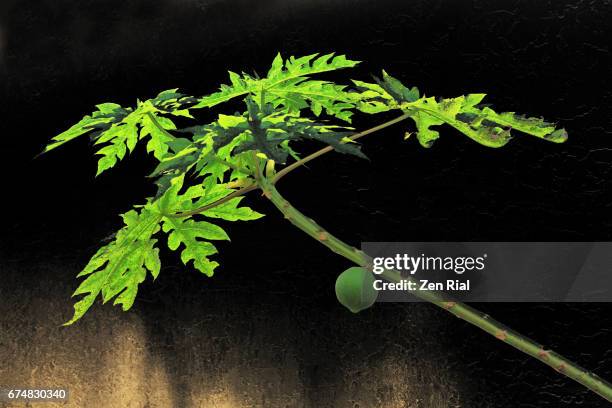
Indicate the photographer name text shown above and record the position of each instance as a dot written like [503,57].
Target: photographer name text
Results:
[423,285]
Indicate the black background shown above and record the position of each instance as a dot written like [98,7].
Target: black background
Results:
[548,58]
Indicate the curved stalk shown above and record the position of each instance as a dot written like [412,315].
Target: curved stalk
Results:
[328,149]
[225,199]
[461,310]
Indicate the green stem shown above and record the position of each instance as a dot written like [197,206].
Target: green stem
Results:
[158,125]
[461,310]
[328,149]
[199,210]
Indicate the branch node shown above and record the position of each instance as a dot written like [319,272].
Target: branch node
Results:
[448,305]
[544,354]
[502,335]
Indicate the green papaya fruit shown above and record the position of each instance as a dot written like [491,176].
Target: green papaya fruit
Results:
[355,290]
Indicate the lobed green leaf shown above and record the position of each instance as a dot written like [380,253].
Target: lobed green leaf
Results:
[288,85]
[118,268]
[482,125]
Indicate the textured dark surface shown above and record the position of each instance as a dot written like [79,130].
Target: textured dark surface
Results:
[59,58]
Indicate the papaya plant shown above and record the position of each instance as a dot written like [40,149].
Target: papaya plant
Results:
[203,172]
